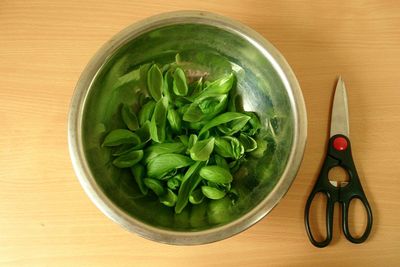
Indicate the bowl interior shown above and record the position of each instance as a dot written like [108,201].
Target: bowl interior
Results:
[259,86]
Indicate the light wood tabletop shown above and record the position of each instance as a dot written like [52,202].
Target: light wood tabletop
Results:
[47,220]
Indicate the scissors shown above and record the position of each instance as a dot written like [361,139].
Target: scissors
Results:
[339,154]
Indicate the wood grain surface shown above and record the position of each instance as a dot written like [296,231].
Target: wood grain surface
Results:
[47,220]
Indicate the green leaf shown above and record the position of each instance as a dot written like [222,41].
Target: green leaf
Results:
[146,112]
[196,197]
[174,120]
[169,199]
[223,147]
[189,183]
[144,133]
[119,137]
[155,186]
[163,164]
[129,159]
[248,142]
[205,109]
[216,174]
[212,192]
[202,150]
[235,118]
[254,123]
[175,182]
[184,139]
[129,118]
[237,147]
[221,162]
[156,150]
[217,87]
[155,82]
[180,86]
[192,141]
[138,172]
[167,86]
[158,121]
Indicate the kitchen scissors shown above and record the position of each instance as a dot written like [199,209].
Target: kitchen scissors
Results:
[339,154]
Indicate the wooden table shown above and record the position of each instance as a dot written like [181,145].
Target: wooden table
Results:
[47,220]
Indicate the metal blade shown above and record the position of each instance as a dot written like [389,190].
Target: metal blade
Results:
[340,111]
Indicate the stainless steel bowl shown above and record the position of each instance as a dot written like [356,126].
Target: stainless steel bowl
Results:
[266,74]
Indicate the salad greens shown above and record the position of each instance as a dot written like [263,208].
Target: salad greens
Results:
[187,137]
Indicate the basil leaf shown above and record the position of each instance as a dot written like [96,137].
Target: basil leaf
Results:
[221,162]
[184,139]
[144,133]
[223,148]
[156,150]
[192,141]
[158,121]
[180,86]
[174,120]
[119,137]
[234,117]
[216,174]
[233,126]
[202,150]
[175,182]
[169,199]
[220,86]
[248,143]
[212,192]
[196,197]
[193,113]
[155,82]
[168,83]
[129,159]
[237,147]
[255,124]
[146,112]
[155,186]
[138,172]
[189,183]
[205,109]
[144,69]
[163,164]
[129,118]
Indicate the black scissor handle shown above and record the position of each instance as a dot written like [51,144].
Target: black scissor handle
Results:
[345,220]
[328,222]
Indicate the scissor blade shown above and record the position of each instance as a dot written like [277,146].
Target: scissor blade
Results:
[340,111]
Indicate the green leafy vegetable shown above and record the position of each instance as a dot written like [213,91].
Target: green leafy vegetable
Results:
[155,186]
[146,112]
[212,192]
[119,137]
[169,199]
[158,121]
[216,174]
[163,164]
[187,134]
[202,150]
[138,173]
[189,183]
[129,118]
[155,82]
[180,86]
[129,159]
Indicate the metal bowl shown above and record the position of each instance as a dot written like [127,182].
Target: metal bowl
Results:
[267,86]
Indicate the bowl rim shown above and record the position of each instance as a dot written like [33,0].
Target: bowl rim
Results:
[240,224]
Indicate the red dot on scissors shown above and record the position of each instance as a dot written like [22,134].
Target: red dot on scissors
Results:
[340,143]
